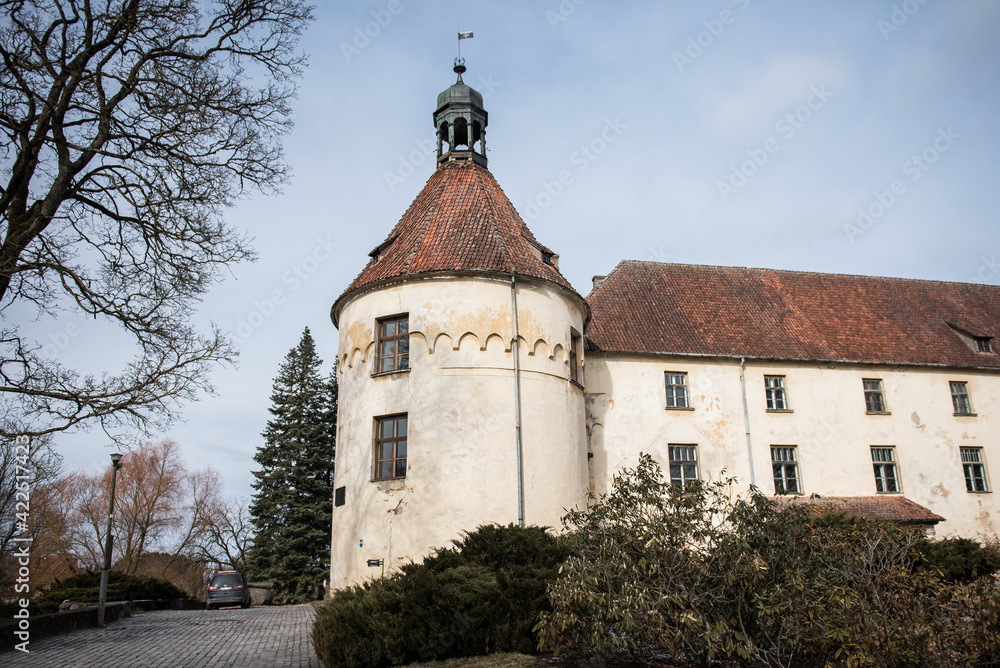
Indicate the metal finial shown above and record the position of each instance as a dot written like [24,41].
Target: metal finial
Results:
[459,67]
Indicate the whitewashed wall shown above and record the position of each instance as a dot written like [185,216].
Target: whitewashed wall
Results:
[459,398]
[627,414]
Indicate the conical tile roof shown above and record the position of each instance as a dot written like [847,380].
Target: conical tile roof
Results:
[460,221]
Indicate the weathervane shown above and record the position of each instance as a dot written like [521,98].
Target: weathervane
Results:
[460,61]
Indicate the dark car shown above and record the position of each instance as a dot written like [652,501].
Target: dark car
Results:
[227,588]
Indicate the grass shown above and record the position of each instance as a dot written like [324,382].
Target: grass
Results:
[491,661]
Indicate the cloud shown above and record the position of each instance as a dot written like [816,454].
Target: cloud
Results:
[782,84]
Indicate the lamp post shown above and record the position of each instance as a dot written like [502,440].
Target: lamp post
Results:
[116,463]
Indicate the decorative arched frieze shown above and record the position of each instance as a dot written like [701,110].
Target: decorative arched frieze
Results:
[541,346]
[468,336]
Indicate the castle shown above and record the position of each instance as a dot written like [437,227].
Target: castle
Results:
[477,386]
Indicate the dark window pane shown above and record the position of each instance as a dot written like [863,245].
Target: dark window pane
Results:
[400,448]
[385,364]
[404,346]
[404,361]
[389,328]
[388,348]
[400,468]
[386,429]
[404,326]
[401,426]
[385,469]
[385,450]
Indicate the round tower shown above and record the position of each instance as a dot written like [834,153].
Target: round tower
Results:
[460,370]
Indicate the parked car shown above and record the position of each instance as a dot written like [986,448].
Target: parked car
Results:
[227,588]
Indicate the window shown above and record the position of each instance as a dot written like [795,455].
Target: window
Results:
[393,344]
[786,470]
[874,398]
[677,395]
[574,351]
[338,496]
[390,447]
[983,344]
[774,391]
[683,464]
[960,397]
[884,462]
[975,469]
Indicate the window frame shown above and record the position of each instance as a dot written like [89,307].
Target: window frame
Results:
[872,392]
[784,465]
[683,387]
[574,352]
[879,467]
[969,465]
[691,448]
[773,392]
[395,338]
[957,396]
[984,344]
[394,439]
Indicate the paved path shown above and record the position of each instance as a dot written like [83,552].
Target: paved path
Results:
[266,636]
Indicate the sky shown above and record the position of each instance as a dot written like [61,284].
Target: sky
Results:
[858,137]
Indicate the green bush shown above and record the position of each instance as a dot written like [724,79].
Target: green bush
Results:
[85,587]
[481,596]
[958,559]
[699,574]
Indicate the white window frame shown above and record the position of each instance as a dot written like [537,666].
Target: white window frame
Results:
[684,456]
[974,469]
[677,393]
[784,458]
[775,393]
[886,469]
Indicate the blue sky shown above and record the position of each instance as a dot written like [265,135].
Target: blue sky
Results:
[852,137]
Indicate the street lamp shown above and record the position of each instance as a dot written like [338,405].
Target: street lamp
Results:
[116,463]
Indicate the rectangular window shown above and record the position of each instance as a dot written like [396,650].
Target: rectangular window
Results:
[338,496]
[983,344]
[683,464]
[874,398]
[574,351]
[960,397]
[393,344]
[975,469]
[884,462]
[786,470]
[677,395]
[774,391]
[390,447]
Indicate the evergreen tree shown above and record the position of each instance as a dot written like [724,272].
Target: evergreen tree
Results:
[293,498]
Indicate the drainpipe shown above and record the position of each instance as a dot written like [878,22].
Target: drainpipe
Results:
[517,403]
[746,420]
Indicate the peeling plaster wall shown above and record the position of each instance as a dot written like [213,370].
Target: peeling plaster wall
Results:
[459,398]
[627,414]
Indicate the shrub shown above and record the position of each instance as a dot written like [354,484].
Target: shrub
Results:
[482,595]
[85,587]
[699,574]
[958,559]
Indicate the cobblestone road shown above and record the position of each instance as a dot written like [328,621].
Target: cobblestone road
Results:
[265,636]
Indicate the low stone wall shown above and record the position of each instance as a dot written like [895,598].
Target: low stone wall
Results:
[54,623]
[261,593]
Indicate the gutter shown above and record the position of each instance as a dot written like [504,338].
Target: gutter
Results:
[517,402]
[746,420]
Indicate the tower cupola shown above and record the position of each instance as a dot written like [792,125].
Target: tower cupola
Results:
[460,122]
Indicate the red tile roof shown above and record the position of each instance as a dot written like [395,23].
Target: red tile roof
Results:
[792,315]
[883,508]
[460,221]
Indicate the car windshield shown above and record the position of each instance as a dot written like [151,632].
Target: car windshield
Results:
[227,579]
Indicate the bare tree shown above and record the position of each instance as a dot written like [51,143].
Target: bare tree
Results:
[128,127]
[225,534]
[25,464]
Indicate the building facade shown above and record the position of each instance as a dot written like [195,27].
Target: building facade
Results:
[477,386]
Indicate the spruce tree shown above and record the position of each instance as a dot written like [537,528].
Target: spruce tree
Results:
[293,498]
